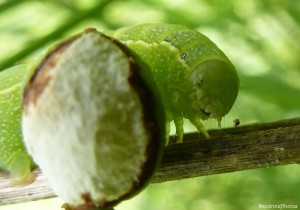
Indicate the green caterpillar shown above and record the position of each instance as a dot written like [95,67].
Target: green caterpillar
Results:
[13,155]
[196,81]
[195,78]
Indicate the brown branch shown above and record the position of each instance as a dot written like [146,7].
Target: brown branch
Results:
[228,150]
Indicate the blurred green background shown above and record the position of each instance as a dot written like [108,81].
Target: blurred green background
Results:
[262,39]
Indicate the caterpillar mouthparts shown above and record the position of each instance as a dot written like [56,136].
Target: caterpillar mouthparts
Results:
[195,78]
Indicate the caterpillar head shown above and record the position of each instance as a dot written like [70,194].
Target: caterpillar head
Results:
[214,86]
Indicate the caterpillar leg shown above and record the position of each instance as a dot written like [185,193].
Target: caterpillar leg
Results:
[179,129]
[167,133]
[21,170]
[197,123]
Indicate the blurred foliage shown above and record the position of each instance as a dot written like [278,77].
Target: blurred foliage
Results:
[260,37]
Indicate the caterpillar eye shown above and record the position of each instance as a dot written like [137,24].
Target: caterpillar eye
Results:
[199,83]
[196,79]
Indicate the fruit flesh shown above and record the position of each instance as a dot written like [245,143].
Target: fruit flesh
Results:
[86,123]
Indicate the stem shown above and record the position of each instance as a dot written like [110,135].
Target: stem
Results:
[228,150]
[234,149]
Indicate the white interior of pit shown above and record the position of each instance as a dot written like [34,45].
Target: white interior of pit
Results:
[86,130]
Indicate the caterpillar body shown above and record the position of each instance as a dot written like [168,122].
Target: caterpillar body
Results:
[195,78]
[13,155]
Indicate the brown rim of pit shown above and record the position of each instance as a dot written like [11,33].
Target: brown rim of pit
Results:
[40,77]
[152,111]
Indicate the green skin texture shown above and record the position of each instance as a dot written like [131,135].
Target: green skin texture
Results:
[190,71]
[13,155]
